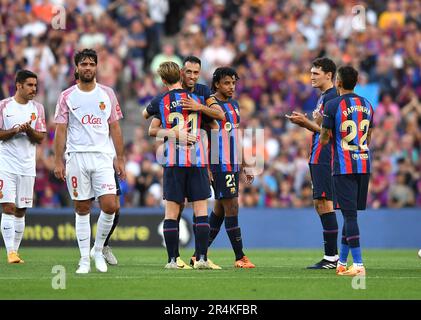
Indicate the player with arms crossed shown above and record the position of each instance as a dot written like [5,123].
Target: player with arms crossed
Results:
[348,120]
[87,115]
[320,163]
[184,162]
[22,126]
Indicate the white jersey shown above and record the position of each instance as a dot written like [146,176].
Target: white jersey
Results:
[88,115]
[17,155]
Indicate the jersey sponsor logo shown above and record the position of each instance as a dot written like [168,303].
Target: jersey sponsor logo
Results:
[33,116]
[102,105]
[362,156]
[90,119]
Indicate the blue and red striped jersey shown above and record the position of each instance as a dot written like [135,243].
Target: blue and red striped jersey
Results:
[224,147]
[322,154]
[168,108]
[349,117]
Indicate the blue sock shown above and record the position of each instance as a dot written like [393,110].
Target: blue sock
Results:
[234,234]
[171,237]
[215,223]
[353,235]
[202,236]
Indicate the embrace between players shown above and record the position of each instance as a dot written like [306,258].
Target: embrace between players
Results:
[89,136]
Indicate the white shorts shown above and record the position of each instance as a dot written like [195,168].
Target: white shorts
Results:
[90,175]
[16,189]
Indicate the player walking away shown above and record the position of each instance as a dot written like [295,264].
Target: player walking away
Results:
[348,119]
[87,115]
[206,104]
[22,126]
[107,252]
[320,163]
[225,166]
[185,172]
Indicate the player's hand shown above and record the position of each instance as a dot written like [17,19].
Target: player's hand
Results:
[210,176]
[190,104]
[318,117]
[248,177]
[297,118]
[24,127]
[184,137]
[120,169]
[60,171]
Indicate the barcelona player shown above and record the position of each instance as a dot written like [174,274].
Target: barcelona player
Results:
[184,161]
[348,120]
[322,74]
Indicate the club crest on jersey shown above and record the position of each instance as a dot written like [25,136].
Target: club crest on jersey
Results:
[1,195]
[33,116]
[102,105]
[75,194]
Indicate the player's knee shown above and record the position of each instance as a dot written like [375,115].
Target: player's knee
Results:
[323,206]
[9,208]
[109,208]
[20,213]
[231,207]
[82,207]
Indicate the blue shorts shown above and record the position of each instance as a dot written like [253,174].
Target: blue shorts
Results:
[350,191]
[186,182]
[321,178]
[225,184]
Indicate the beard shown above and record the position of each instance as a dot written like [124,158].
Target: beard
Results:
[83,77]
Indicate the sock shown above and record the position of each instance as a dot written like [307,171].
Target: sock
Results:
[343,256]
[83,234]
[105,223]
[8,231]
[353,235]
[215,223]
[115,223]
[171,237]
[202,237]
[19,229]
[330,234]
[234,234]
[194,233]
[177,249]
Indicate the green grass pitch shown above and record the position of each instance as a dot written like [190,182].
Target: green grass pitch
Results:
[280,274]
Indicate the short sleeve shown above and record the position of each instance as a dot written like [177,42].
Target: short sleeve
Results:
[153,108]
[40,124]
[62,110]
[328,115]
[2,105]
[116,113]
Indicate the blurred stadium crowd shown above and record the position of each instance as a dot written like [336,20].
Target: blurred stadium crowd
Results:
[270,43]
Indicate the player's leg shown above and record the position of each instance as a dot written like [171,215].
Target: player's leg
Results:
[107,252]
[8,185]
[79,186]
[105,189]
[346,189]
[323,196]
[173,190]
[24,200]
[180,262]
[171,237]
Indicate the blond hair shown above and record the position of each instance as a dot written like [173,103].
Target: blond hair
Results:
[169,71]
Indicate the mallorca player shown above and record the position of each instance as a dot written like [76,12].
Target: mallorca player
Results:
[22,126]
[87,115]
